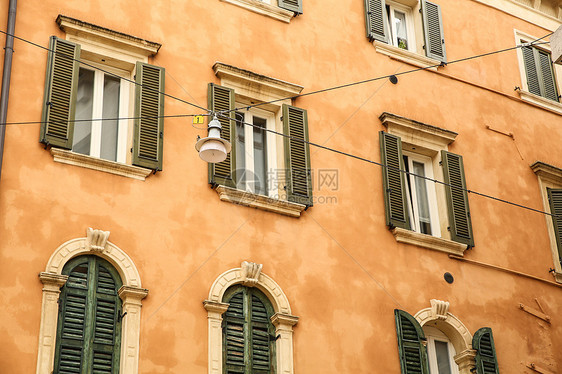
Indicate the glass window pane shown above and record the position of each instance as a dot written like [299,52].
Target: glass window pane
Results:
[401,31]
[442,353]
[110,126]
[240,152]
[84,108]
[260,155]
[421,196]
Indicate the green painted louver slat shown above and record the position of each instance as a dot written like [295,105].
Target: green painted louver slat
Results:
[148,137]
[89,330]
[486,360]
[549,86]
[555,200]
[61,81]
[394,187]
[433,31]
[261,352]
[460,222]
[412,351]
[376,21]
[297,155]
[531,70]
[220,99]
[292,5]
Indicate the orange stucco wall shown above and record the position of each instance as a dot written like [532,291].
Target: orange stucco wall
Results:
[340,267]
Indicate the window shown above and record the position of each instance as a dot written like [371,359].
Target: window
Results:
[440,352]
[550,184]
[250,323]
[263,170]
[89,321]
[396,30]
[248,333]
[282,10]
[539,83]
[419,211]
[93,280]
[90,90]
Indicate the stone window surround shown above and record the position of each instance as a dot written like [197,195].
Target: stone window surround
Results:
[250,88]
[115,50]
[260,7]
[524,93]
[438,316]
[428,140]
[549,177]
[131,294]
[250,275]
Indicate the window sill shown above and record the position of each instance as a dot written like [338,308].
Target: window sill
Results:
[268,204]
[557,276]
[89,162]
[261,8]
[408,57]
[548,104]
[428,241]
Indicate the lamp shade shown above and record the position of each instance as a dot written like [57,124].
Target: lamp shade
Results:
[212,151]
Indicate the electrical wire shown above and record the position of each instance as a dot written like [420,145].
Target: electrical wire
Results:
[106,119]
[390,167]
[534,42]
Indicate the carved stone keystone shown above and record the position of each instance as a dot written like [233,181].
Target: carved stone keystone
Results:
[250,273]
[96,239]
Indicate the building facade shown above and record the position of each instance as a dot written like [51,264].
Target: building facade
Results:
[392,202]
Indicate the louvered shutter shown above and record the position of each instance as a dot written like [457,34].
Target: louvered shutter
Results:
[547,75]
[411,348]
[433,31]
[394,187]
[292,5]
[222,99]
[531,70]
[234,335]
[376,20]
[148,137]
[260,353]
[555,200]
[483,343]
[460,222]
[59,100]
[89,328]
[297,155]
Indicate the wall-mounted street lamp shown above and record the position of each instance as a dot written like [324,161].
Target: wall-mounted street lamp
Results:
[213,148]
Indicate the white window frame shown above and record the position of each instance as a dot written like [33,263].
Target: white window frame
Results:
[271,148]
[432,334]
[520,38]
[123,139]
[431,195]
[411,35]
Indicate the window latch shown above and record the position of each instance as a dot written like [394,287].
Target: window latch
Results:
[273,337]
[120,316]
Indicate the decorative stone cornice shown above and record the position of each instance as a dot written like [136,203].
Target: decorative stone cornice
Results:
[547,172]
[51,279]
[439,309]
[250,273]
[132,293]
[215,307]
[428,241]
[282,319]
[96,239]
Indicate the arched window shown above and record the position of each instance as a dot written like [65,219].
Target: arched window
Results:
[440,352]
[248,334]
[89,318]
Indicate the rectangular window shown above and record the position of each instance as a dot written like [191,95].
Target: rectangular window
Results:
[539,72]
[401,26]
[422,201]
[101,95]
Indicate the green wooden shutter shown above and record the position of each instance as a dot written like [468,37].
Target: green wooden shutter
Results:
[222,98]
[292,5]
[59,100]
[531,70]
[411,348]
[460,222]
[297,155]
[483,343]
[433,31]
[148,137]
[376,20]
[233,335]
[260,354]
[555,200]
[394,181]
[89,327]
[547,75]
